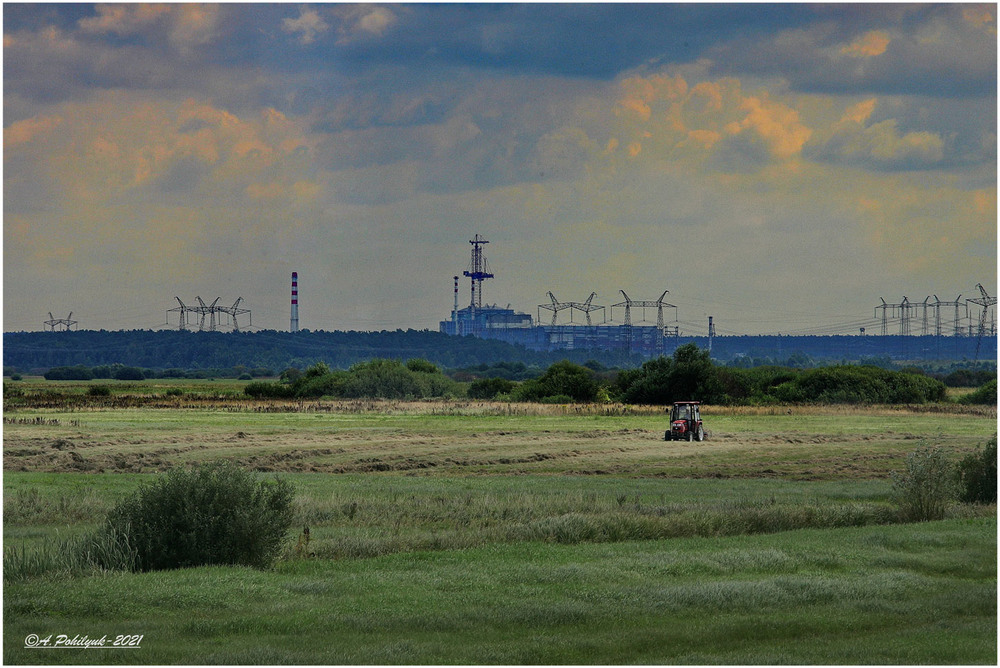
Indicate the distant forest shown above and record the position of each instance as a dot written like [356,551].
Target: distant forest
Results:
[35,352]
[27,352]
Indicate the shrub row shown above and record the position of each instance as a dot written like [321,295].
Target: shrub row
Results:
[378,378]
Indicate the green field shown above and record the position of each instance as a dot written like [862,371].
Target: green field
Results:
[465,532]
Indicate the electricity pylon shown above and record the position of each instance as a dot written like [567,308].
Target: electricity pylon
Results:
[986,302]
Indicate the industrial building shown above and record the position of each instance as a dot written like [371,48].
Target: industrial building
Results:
[650,340]
[505,324]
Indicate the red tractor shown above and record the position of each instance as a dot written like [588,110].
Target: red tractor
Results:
[685,422]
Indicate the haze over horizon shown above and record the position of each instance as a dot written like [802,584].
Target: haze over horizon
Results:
[779,167]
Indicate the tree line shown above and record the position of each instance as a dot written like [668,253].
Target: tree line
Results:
[689,374]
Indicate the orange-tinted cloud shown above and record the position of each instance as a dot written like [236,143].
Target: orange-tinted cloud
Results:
[25,131]
[872,43]
[674,114]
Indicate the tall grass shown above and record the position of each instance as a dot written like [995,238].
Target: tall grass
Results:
[69,556]
[361,527]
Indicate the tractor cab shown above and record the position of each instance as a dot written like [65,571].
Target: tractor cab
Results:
[685,422]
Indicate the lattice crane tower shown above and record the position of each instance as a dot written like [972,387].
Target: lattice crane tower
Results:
[478,270]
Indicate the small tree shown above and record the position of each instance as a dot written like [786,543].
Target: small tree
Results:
[977,475]
[213,514]
[924,489]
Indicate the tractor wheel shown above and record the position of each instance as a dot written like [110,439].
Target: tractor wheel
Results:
[666,436]
[690,435]
[701,433]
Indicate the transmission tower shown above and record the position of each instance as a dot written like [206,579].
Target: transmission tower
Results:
[478,270]
[986,302]
[183,310]
[555,307]
[65,324]
[924,324]
[630,303]
[885,311]
[207,311]
[903,309]
[958,303]
[234,311]
[586,307]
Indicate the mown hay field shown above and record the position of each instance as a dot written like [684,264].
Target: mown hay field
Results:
[470,532]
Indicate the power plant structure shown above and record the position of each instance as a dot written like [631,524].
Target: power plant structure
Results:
[505,324]
[923,329]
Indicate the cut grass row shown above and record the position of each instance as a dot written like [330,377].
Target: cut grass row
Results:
[409,440]
[904,594]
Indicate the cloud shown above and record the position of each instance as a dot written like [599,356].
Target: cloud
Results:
[879,145]
[872,43]
[24,131]
[361,21]
[674,119]
[308,25]
[186,26]
[123,19]
[931,50]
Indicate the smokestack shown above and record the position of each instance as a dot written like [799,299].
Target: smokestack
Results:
[711,333]
[454,313]
[295,302]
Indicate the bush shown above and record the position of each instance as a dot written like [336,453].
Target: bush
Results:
[98,391]
[488,388]
[562,379]
[924,489]
[422,366]
[128,373]
[261,389]
[977,475]
[79,372]
[985,395]
[214,514]
[687,376]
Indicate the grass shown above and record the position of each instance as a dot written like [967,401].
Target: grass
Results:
[481,533]
[906,594]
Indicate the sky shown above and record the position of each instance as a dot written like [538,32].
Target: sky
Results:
[780,167]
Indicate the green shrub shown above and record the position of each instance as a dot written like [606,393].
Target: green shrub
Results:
[688,375]
[488,388]
[421,365]
[329,384]
[98,391]
[383,378]
[562,379]
[985,395]
[924,489]
[977,475]
[128,373]
[261,389]
[213,514]
[78,372]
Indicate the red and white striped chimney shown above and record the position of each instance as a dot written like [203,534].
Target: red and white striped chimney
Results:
[295,301]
